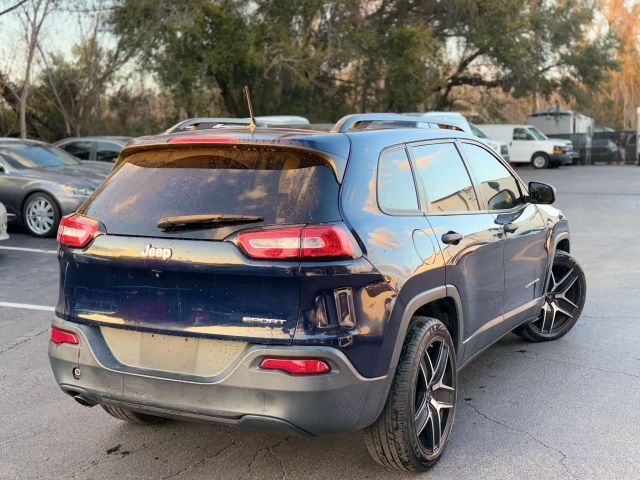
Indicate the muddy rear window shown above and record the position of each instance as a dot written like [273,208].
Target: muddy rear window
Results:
[281,186]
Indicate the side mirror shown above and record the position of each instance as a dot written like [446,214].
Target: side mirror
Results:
[542,193]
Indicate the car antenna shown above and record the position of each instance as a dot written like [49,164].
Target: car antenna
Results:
[247,98]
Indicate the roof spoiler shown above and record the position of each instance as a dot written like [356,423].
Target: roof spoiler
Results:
[203,123]
[389,120]
[192,124]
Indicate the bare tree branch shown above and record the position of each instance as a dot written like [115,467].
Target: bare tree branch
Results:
[12,7]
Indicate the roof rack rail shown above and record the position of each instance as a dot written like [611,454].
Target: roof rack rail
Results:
[349,122]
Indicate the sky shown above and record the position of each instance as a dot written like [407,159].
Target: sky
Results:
[60,32]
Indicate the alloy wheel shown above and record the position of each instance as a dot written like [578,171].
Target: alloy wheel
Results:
[40,216]
[562,300]
[435,397]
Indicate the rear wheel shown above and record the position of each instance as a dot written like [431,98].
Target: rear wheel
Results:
[414,427]
[540,160]
[564,300]
[130,416]
[41,215]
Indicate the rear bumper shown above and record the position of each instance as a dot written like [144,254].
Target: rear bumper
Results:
[242,394]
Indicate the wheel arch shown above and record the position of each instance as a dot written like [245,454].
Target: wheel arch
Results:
[442,303]
[538,152]
[563,244]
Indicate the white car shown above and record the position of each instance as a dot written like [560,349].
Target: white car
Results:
[460,121]
[527,144]
[3,223]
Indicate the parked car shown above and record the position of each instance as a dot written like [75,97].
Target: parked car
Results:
[527,144]
[3,223]
[307,281]
[99,149]
[603,150]
[461,121]
[39,183]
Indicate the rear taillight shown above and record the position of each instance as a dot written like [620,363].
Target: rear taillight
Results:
[296,366]
[62,336]
[311,242]
[77,231]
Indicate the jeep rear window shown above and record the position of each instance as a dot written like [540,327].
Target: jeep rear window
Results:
[281,186]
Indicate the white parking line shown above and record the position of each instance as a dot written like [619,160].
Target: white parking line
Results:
[27,306]
[22,249]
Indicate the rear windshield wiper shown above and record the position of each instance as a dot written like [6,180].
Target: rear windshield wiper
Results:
[196,222]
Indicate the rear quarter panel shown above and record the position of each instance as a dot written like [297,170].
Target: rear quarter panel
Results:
[387,242]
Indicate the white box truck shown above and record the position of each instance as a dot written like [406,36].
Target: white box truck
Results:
[527,144]
[557,121]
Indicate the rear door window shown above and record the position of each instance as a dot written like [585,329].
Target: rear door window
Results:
[396,187]
[107,152]
[445,178]
[81,150]
[281,186]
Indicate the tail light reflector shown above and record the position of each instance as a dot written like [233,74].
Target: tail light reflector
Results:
[310,242]
[296,366]
[77,231]
[62,336]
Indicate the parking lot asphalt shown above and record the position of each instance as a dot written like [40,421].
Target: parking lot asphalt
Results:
[565,409]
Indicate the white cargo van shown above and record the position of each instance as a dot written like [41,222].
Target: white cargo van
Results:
[527,144]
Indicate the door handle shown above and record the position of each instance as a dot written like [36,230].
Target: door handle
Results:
[510,227]
[452,238]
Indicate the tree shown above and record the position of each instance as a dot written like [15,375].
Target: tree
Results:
[33,14]
[76,89]
[618,96]
[330,57]
[198,50]
[10,7]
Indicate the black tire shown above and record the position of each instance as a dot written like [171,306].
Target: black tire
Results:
[540,160]
[394,440]
[133,417]
[55,217]
[535,331]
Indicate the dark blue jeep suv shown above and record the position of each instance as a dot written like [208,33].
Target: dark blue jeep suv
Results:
[309,281]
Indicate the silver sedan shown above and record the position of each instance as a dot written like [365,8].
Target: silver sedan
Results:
[39,183]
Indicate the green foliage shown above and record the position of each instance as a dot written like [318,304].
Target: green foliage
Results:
[319,58]
[325,58]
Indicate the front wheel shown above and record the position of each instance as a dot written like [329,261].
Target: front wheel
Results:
[414,427]
[540,160]
[564,300]
[41,215]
